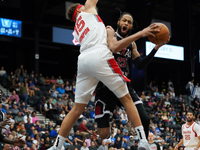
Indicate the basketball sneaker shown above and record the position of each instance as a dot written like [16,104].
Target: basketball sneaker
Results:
[143,145]
[52,148]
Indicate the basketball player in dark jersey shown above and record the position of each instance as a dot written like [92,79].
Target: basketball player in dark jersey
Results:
[106,101]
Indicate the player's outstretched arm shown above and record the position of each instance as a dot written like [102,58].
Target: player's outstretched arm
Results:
[141,63]
[116,46]
[179,144]
[90,6]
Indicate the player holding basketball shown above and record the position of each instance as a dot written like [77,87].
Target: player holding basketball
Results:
[96,63]
[190,133]
[106,100]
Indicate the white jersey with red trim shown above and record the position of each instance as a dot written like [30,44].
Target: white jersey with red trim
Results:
[90,31]
[190,134]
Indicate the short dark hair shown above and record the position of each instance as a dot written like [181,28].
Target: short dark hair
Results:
[71,10]
[122,14]
[190,111]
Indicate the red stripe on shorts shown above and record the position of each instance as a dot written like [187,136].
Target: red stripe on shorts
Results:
[116,69]
[98,110]
[99,19]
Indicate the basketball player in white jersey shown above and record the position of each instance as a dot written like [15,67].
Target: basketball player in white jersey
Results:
[96,63]
[190,133]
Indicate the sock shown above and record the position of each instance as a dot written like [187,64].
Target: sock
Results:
[140,132]
[59,142]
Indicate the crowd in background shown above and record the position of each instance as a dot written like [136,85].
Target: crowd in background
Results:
[54,98]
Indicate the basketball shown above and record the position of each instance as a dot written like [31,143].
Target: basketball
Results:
[160,37]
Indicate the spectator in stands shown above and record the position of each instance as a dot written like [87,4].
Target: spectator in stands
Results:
[53,81]
[183,118]
[130,142]
[53,91]
[30,91]
[60,103]
[103,146]
[84,147]
[48,107]
[126,136]
[19,118]
[54,132]
[23,92]
[33,147]
[47,81]
[28,141]
[150,103]
[26,76]
[27,115]
[50,126]
[163,86]
[42,79]
[36,141]
[45,146]
[61,90]
[191,85]
[68,107]
[3,76]
[172,94]
[59,81]
[124,117]
[28,126]
[34,118]
[92,113]
[20,73]
[124,143]
[32,86]
[82,128]
[15,110]
[77,138]
[143,96]
[45,135]
[37,126]
[65,100]
[152,144]
[181,104]
[118,143]
[62,115]
[170,85]
[85,113]
[92,147]
[14,97]
[156,93]
[195,102]
[197,120]
[89,140]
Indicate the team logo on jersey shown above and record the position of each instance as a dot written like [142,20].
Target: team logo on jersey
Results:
[126,52]
[186,132]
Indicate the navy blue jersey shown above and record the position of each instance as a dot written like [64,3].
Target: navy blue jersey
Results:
[123,58]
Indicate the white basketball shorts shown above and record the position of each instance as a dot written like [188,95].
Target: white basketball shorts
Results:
[96,65]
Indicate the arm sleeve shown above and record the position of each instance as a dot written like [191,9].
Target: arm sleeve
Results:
[142,63]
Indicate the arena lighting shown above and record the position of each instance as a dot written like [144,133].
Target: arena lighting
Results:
[10,27]
[167,51]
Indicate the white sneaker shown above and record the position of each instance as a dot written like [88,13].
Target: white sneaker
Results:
[143,145]
[52,148]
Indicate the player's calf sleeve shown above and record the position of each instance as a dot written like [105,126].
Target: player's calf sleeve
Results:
[59,142]
[144,118]
[140,132]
